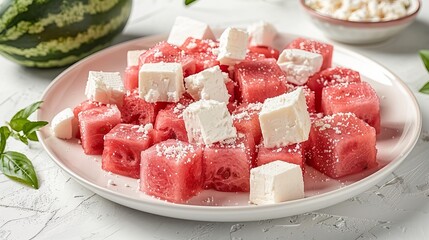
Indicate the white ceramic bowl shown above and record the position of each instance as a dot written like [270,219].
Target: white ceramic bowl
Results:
[361,32]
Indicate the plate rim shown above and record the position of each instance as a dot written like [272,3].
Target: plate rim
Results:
[216,213]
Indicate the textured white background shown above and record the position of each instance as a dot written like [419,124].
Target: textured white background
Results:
[396,208]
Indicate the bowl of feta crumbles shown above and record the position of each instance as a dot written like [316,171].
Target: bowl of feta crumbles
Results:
[361,21]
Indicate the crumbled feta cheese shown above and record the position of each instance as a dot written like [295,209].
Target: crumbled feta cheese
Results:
[133,57]
[362,10]
[276,182]
[208,84]
[299,65]
[208,121]
[186,27]
[64,124]
[105,87]
[232,46]
[161,82]
[284,119]
[261,34]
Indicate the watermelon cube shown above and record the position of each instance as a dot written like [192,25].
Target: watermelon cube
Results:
[358,98]
[170,124]
[259,80]
[342,144]
[227,164]
[131,78]
[268,52]
[324,49]
[172,171]
[123,146]
[293,153]
[246,119]
[85,105]
[329,77]
[168,53]
[201,50]
[94,124]
[135,110]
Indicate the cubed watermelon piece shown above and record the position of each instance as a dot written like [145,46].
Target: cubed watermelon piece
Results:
[85,105]
[259,80]
[358,98]
[329,77]
[135,110]
[268,52]
[202,51]
[172,171]
[122,149]
[227,165]
[254,56]
[342,144]
[324,49]
[94,124]
[131,78]
[170,124]
[292,154]
[246,119]
[168,53]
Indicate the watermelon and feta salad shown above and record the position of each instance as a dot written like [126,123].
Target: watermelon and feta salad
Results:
[231,114]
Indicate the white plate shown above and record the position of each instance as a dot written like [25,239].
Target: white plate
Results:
[400,121]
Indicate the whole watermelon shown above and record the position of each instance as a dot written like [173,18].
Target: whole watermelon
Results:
[55,33]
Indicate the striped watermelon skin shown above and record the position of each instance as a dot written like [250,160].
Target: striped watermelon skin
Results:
[56,33]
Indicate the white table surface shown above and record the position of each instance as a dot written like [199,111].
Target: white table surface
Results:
[396,208]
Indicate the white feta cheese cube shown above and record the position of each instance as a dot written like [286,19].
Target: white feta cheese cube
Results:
[105,87]
[276,182]
[208,84]
[232,46]
[261,34]
[299,65]
[284,119]
[208,121]
[133,57]
[186,27]
[64,124]
[161,82]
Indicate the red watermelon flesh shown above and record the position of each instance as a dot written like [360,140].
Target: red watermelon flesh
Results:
[94,124]
[329,77]
[172,171]
[292,154]
[122,149]
[170,124]
[85,105]
[230,86]
[259,80]
[168,53]
[254,56]
[202,51]
[246,119]
[358,98]
[131,78]
[268,52]
[324,49]
[227,165]
[135,110]
[342,144]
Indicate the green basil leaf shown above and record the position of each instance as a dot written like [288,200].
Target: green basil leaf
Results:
[425,88]
[187,2]
[26,112]
[18,167]
[23,139]
[424,54]
[30,129]
[4,135]
[17,124]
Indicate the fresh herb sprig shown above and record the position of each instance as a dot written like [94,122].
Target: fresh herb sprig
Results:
[188,2]
[424,54]
[16,165]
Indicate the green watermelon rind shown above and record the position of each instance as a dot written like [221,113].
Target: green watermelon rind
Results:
[62,44]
